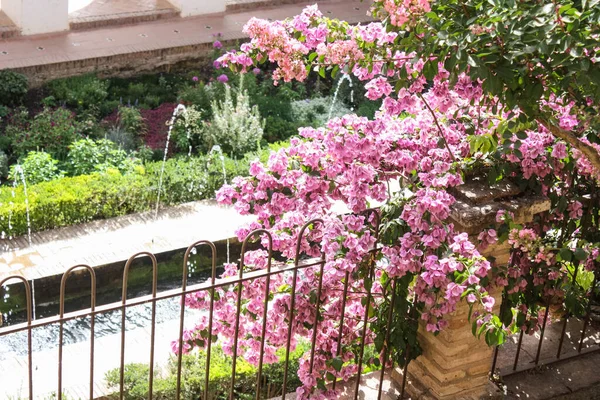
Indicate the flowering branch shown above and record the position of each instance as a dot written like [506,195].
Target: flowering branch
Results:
[437,123]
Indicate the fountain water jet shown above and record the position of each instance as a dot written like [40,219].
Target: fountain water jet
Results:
[178,110]
[19,173]
[217,149]
[345,77]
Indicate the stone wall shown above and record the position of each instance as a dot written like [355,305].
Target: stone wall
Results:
[121,65]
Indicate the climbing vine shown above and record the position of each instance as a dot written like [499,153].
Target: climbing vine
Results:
[466,91]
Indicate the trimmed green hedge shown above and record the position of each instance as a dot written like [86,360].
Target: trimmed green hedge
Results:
[73,200]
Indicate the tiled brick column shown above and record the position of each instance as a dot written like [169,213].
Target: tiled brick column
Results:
[455,364]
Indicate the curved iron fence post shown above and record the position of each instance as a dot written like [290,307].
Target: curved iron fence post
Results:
[124,313]
[239,303]
[28,298]
[63,284]
[182,314]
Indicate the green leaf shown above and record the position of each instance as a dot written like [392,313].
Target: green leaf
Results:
[321,384]
[471,61]
[580,254]
[566,254]
[507,315]
[449,64]
[335,71]
[337,363]
[430,69]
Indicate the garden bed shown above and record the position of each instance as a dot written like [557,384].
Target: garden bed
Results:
[91,148]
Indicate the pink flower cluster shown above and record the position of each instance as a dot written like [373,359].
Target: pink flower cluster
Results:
[420,139]
[406,12]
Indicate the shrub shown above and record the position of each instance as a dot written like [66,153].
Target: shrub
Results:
[71,200]
[197,96]
[135,92]
[151,101]
[122,138]
[368,109]
[87,156]
[193,373]
[316,111]
[188,130]
[85,92]
[236,127]
[49,101]
[146,91]
[131,120]
[156,122]
[143,153]
[51,130]
[68,201]
[184,179]
[13,87]
[37,167]
[275,105]
[4,111]
[108,107]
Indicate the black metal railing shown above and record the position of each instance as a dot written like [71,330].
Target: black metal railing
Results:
[273,268]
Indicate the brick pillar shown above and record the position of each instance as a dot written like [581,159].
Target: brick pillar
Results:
[455,364]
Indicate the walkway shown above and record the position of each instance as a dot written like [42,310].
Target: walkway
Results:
[101,13]
[145,46]
[113,240]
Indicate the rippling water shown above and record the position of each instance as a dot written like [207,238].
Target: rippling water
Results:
[44,338]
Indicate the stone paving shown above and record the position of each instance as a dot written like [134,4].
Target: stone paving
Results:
[545,382]
[113,7]
[98,49]
[107,241]
[119,12]
[570,379]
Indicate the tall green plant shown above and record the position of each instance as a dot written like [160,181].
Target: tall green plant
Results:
[235,126]
[37,167]
[13,87]
[88,155]
[52,130]
[85,92]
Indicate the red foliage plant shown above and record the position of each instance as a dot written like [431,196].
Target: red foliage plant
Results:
[156,123]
